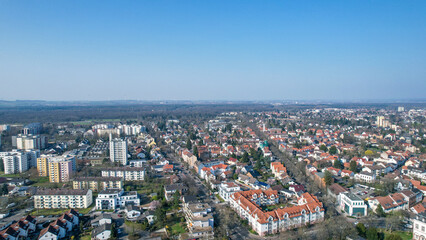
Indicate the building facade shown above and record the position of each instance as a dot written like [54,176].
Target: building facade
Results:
[116,198]
[126,173]
[97,184]
[352,205]
[227,189]
[118,150]
[309,210]
[63,198]
[419,226]
[18,161]
[29,141]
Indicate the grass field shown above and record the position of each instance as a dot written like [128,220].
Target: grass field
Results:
[220,198]
[403,235]
[86,237]
[56,212]
[177,229]
[90,122]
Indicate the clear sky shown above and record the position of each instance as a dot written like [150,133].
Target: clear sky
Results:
[212,50]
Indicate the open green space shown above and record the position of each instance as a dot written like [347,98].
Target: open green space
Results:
[177,228]
[403,235]
[56,212]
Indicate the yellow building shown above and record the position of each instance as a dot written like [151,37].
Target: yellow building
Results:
[43,166]
[60,170]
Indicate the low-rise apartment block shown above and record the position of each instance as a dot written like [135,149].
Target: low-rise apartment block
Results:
[97,184]
[227,189]
[199,219]
[126,173]
[116,198]
[63,198]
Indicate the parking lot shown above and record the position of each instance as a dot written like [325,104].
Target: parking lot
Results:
[363,191]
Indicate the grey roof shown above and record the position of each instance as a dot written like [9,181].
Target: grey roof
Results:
[352,196]
[97,179]
[61,191]
[101,228]
[110,191]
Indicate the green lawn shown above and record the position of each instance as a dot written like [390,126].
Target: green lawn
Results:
[86,237]
[18,175]
[177,229]
[56,212]
[220,198]
[403,235]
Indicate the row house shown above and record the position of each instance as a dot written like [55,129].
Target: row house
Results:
[414,172]
[20,229]
[347,173]
[334,171]
[392,202]
[62,227]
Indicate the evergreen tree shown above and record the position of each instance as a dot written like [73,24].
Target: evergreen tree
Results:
[195,152]
[338,164]
[188,144]
[353,166]
[372,234]
[328,178]
[380,212]
[1,165]
[323,148]
[245,157]
[332,150]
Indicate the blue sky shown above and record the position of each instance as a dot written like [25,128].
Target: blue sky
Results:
[212,50]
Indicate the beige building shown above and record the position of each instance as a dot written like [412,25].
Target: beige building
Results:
[63,198]
[97,184]
[29,141]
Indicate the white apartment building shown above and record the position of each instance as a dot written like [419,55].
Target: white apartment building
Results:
[126,173]
[29,141]
[131,129]
[17,161]
[382,122]
[365,177]
[419,226]
[351,204]
[199,219]
[227,189]
[118,150]
[63,198]
[14,162]
[116,198]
